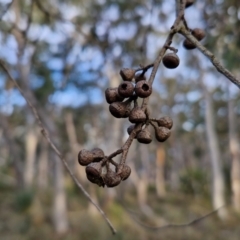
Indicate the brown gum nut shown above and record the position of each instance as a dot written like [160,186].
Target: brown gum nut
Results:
[85,157]
[127,74]
[188,45]
[165,122]
[143,89]
[198,33]
[98,154]
[111,179]
[171,60]
[111,95]
[137,115]
[126,89]
[162,133]
[144,136]
[119,109]
[93,172]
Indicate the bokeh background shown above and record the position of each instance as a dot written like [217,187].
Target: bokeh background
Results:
[64,54]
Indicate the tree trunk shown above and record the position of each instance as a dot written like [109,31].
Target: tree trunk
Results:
[60,204]
[31,141]
[160,180]
[74,146]
[218,187]
[43,165]
[235,153]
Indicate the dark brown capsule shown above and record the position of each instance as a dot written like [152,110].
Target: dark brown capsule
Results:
[98,154]
[94,172]
[171,60]
[126,89]
[165,122]
[162,133]
[144,136]
[143,89]
[127,74]
[198,33]
[112,179]
[85,157]
[125,171]
[137,115]
[188,45]
[111,95]
[120,109]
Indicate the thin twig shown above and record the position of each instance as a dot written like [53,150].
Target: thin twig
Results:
[6,9]
[55,149]
[210,56]
[173,225]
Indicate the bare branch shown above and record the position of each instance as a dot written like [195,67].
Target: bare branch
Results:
[55,149]
[173,225]
[210,56]
[6,9]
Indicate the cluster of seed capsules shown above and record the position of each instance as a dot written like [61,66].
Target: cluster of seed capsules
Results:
[134,86]
[123,103]
[98,169]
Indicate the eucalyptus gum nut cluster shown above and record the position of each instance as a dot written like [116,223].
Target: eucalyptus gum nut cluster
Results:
[126,89]
[127,74]
[143,89]
[111,95]
[171,60]
[94,173]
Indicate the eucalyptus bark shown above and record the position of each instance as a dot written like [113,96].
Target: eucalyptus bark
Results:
[31,141]
[160,180]
[218,188]
[235,154]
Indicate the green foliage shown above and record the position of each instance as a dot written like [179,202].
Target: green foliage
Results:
[23,200]
[194,182]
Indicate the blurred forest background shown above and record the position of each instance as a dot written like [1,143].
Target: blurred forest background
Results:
[64,54]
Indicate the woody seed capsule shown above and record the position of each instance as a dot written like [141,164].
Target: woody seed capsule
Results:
[171,60]
[127,74]
[111,95]
[143,89]
[126,89]
[85,157]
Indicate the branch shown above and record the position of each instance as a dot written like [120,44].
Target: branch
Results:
[55,149]
[173,225]
[210,56]
[6,9]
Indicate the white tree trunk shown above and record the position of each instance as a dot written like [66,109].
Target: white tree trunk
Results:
[43,165]
[160,180]
[75,146]
[31,141]
[60,204]
[235,153]
[218,187]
